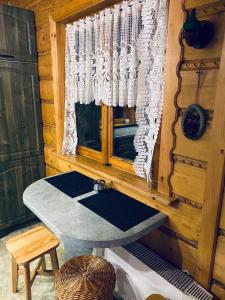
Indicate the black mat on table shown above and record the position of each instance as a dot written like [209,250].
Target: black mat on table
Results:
[120,210]
[72,184]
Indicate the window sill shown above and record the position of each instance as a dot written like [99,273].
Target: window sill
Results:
[121,180]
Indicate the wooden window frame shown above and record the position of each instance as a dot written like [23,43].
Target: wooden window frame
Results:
[57,32]
[74,10]
[101,156]
[106,156]
[113,160]
[57,21]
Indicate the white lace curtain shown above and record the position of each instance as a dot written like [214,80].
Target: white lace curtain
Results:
[117,57]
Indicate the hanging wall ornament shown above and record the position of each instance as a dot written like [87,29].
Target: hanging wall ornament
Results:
[193,122]
[197,34]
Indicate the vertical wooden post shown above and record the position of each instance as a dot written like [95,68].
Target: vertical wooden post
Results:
[105,137]
[57,34]
[173,57]
[214,185]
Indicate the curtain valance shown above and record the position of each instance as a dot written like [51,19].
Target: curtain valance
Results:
[117,57]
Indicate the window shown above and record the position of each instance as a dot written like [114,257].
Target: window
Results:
[104,133]
[89,131]
[107,134]
[124,129]
[105,140]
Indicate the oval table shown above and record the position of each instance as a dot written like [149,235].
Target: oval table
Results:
[79,228]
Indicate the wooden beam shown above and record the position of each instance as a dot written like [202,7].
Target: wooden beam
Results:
[219,262]
[173,58]
[172,248]
[57,34]
[218,290]
[72,10]
[214,185]
[190,4]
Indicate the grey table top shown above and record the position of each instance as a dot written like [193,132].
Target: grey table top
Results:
[70,220]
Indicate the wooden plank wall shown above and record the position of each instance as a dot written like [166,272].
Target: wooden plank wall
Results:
[178,242]
[218,283]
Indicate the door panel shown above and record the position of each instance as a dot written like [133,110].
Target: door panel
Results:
[17,32]
[15,177]
[20,116]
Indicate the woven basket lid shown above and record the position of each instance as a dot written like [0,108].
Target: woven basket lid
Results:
[85,277]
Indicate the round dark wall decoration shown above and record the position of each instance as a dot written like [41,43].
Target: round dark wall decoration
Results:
[193,122]
[198,34]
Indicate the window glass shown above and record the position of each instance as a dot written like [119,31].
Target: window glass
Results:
[88,118]
[124,129]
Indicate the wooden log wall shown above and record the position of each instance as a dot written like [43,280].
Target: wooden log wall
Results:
[218,282]
[179,241]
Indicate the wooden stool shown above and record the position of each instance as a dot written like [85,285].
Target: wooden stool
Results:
[86,278]
[27,247]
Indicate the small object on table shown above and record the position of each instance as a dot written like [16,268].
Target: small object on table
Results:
[101,185]
[85,278]
[27,247]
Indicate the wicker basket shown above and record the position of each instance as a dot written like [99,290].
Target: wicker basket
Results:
[85,278]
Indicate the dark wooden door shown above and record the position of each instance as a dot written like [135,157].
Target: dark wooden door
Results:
[17,32]
[20,116]
[15,177]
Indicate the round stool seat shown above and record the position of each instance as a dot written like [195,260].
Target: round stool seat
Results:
[86,278]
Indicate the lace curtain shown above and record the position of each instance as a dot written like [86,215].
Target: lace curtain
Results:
[117,57]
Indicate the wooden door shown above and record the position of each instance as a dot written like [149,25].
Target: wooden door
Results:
[17,32]
[15,177]
[20,116]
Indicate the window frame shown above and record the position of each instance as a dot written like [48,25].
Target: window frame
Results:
[113,160]
[174,57]
[101,156]
[57,23]
[106,154]
[58,37]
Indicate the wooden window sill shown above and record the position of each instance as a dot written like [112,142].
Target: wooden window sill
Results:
[121,180]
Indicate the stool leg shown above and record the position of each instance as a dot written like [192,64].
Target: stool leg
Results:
[54,260]
[43,265]
[27,284]
[14,276]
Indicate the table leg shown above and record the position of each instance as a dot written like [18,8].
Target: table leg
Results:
[98,252]
[71,249]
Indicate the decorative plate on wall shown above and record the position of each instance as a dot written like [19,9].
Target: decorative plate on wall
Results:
[193,122]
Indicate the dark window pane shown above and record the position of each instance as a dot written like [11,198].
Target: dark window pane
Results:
[124,129]
[88,118]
